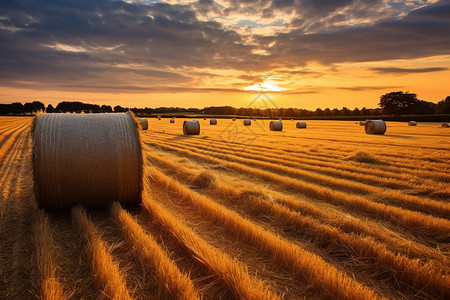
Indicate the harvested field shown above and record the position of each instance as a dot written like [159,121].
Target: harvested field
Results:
[242,212]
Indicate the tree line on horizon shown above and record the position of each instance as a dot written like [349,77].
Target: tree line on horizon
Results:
[394,103]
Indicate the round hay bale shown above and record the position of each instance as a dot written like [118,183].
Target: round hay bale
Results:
[159,118]
[204,118]
[234,119]
[212,122]
[445,125]
[412,123]
[362,123]
[247,122]
[301,125]
[276,126]
[88,159]
[144,123]
[375,127]
[191,127]
[172,120]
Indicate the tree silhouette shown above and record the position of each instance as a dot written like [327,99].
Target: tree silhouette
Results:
[398,103]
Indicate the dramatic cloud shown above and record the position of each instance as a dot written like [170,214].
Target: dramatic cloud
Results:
[407,71]
[126,46]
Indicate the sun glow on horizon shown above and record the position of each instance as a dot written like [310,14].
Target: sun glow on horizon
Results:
[264,87]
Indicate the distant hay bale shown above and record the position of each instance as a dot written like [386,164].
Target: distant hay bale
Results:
[234,119]
[412,123]
[159,118]
[276,126]
[212,122]
[375,127]
[301,125]
[172,120]
[88,159]
[144,123]
[280,119]
[204,118]
[362,123]
[247,122]
[445,125]
[191,127]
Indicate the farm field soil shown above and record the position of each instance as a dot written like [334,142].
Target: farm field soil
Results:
[242,213]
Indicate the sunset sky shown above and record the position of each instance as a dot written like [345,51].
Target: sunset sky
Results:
[302,53]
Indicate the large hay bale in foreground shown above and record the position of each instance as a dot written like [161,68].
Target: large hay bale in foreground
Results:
[445,125]
[86,159]
[301,125]
[375,127]
[172,120]
[247,122]
[144,123]
[412,123]
[276,126]
[191,127]
[212,122]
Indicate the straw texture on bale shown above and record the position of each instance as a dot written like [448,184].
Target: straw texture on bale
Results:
[212,122]
[446,125]
[191,127]
[172,120]
[85,159]
[247,122]
[301,125]
[362,123]
[144,123]
[276,126]
[412,123]
[375,127]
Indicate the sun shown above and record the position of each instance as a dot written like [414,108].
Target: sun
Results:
[264,86]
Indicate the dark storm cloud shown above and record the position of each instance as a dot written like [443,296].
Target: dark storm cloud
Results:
[408,70]
[103,44]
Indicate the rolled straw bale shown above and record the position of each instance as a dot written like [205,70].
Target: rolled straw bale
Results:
[212,122]
[204,118]
[191,127]
[144,123]
[362,123]
[88,159]
[159,118]
[446,125]
[412,123]
[172,120]
[234,119]
[276,126]
[301,125]
[247,122]
[375,127]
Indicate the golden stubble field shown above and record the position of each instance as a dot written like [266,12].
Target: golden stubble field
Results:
[242,212]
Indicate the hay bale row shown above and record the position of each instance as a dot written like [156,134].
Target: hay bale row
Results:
[375,127]
[212,122]
[301,125]
[247,122]
[88,159]
[144,123]
[191,127]
[276,126]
